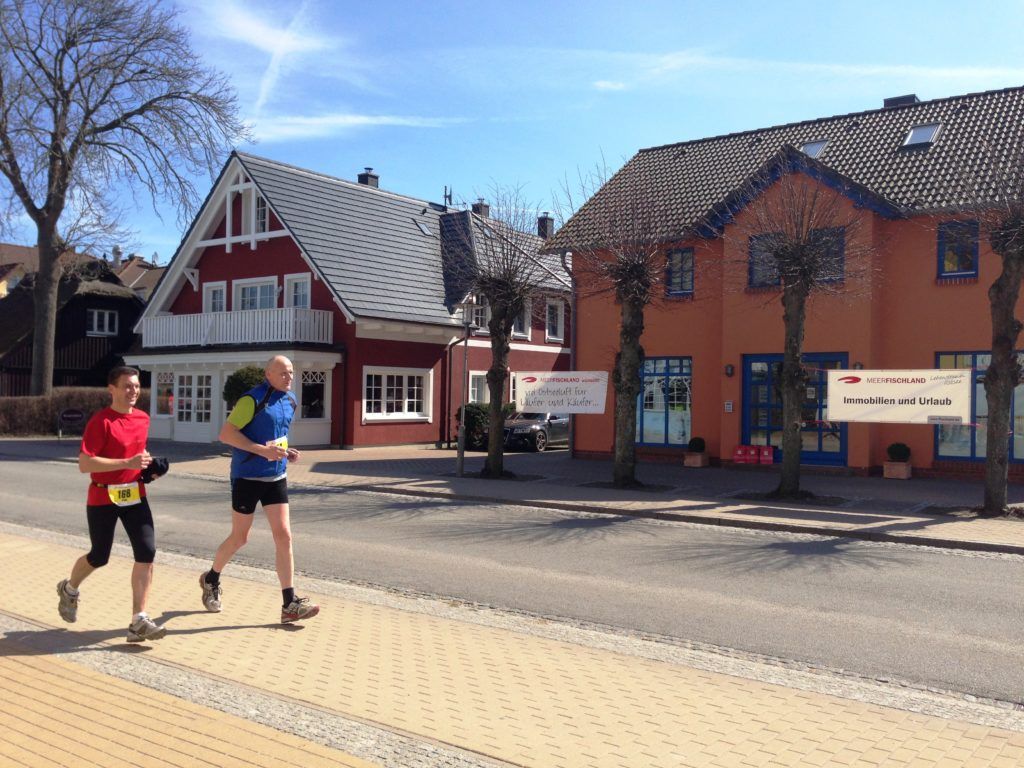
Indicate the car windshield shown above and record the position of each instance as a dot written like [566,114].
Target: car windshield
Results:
[530,416]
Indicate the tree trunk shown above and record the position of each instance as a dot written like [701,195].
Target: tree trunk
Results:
[794,304]
[1001,379]
[626,380]
[44,296]
[497,374]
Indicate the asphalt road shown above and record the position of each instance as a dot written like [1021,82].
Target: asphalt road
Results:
[940,618]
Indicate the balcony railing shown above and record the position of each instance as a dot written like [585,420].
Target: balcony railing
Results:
[248,326]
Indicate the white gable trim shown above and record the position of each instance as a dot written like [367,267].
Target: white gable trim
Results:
[192,246]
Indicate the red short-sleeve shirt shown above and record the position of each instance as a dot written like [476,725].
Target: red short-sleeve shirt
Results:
[113,435]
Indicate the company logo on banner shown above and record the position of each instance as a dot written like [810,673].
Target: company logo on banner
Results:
[561,391]
[901,397]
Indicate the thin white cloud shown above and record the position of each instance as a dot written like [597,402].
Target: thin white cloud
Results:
[290,127]
[609,85]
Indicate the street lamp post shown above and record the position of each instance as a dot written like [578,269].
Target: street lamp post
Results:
[468,327]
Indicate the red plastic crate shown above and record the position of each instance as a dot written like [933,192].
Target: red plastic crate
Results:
[744,454]
[766,454]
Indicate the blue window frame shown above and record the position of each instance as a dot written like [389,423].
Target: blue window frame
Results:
[958,249]
[663,406]
[967,442]
[679,272]
[833,260]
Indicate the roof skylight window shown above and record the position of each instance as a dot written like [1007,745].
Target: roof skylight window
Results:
[922,135]
[813,148]
[423,227]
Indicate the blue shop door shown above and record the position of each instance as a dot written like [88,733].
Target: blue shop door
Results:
[823,443]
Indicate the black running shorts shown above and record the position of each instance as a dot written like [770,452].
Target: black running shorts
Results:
[246,494]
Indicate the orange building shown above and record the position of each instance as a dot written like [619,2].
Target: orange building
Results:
[909,290]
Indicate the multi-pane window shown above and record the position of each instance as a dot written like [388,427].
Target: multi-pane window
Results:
[296,291]
[214,297]
[100,322]
[958,249]
[481,313]
[663,407]
[261,214]
[679,272]
[555,320]
[165,393]
[521,324]
[195,398]
[832,254]
[763,269]
[312,394]
[968,441]
[257,296]
[478,388]
[395,394]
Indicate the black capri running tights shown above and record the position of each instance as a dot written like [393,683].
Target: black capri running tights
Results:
[138,524]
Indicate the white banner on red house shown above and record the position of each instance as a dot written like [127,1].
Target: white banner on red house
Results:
[900,397]
[561,391]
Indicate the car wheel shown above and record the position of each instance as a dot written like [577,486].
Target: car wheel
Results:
[540,440]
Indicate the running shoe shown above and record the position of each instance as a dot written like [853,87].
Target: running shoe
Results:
[145,629]
[299,608]
[68,605]
[211,594]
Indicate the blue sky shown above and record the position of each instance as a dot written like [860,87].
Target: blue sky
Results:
[472,94]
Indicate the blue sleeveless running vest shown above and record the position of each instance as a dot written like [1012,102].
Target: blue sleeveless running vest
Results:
[269,423]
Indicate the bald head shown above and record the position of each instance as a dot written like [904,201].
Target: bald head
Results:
[279,372]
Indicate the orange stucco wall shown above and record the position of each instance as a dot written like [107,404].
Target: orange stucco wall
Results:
[890,312]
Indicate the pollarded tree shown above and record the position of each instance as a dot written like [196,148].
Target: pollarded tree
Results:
[618,248]
[800,229]
[996,189]
[491,253]
[94,94]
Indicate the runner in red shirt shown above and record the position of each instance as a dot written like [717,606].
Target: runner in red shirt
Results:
[114,453]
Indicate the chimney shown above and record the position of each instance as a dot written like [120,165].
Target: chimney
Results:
[369,178]
[115,256]
[480,208]
[900,101]
[545,225]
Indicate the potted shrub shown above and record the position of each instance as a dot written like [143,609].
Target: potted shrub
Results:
[898,465]
[696,453]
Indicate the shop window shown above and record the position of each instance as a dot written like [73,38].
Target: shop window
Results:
[664,405]
[165,394]
[313,394]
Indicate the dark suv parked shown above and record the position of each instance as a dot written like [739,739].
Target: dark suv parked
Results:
[536,431]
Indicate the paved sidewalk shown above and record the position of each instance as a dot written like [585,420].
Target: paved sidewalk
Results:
[502,694]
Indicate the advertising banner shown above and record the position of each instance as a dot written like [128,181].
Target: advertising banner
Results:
[900,397]
[561,391]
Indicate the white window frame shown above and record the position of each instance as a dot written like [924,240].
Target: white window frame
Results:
[163,378]
[208,288]
[481,314]
[261,214]
[237,285]
[469,392]
[295,279]
[327,394]
[560,335]
[193,401]
[527,315]
[426,416]
[92,317]
[512,383]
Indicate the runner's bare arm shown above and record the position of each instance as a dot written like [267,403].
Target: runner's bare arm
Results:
[87,463]
[232,435]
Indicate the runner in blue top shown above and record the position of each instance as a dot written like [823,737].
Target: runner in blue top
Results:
[257,431]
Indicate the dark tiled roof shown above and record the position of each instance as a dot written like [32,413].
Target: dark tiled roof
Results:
[28,256]
[686,180]
[365,240]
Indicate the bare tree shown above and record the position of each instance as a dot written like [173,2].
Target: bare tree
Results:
[492,254]
[996,191]
[94,93]
[801,230]
[619,251]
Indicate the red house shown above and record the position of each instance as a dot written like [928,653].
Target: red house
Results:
[346,279]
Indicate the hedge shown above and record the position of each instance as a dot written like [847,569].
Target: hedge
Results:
[38,415]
